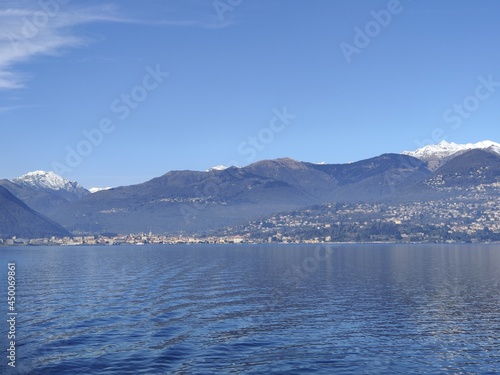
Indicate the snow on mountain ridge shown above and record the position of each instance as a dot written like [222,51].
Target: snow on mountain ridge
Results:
[437,155]
[217,168]
[48,180]
[445,149]
[96,189]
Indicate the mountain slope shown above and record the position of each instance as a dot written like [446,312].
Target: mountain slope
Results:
[368,179]
[50,181]
[187,201]
[44,191]
[472,168]
[437,155]
[304,176]
[373,179]
[17,219]
[181,201]
[196,202]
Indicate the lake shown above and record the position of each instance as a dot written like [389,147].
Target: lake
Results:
[233,309]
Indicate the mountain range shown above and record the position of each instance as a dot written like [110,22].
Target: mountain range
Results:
[17,219]
[199,202]
[437,155]
[43,191]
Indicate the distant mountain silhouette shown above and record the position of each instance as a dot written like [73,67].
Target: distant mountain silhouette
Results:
[44,191]
[187,201]
[196,202]
[471,168]
[17,219]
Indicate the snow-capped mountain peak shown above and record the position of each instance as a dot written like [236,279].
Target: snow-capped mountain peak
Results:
[218,168]
[96,189]
[444,149]
[436,155]
[49,181]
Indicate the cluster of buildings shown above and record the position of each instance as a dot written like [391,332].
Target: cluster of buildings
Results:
[131,239]
[472,216]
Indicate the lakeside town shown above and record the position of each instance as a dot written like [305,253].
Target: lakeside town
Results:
[473,217]
[130,239]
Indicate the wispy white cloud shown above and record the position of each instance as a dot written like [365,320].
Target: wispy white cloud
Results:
[15,107]
[7,109]
[33,31]
[28,30]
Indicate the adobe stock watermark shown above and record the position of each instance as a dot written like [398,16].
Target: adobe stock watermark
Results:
[255,143]
[221,7]
[405,168]
[294,277]
[32,25]
[280,120]
[381,19]
[121,107]
[463,110]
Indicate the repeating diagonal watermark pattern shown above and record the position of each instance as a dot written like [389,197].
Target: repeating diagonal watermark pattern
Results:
[363,36]
[457,113]
[256,143]
[249,148]
[221,7]
[33,24]
[292,279]
[121,108]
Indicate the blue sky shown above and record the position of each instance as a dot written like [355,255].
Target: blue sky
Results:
[233,82]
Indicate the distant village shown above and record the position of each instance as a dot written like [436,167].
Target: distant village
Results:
[472,217]
[131,239]
[140,239]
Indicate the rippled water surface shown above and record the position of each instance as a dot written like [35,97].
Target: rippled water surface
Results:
[254,309]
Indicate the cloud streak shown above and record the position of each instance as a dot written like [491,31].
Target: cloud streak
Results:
[29,30]
[34,31]
[15,108]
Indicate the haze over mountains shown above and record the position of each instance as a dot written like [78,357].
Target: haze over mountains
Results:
[17,219]
[196,202]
